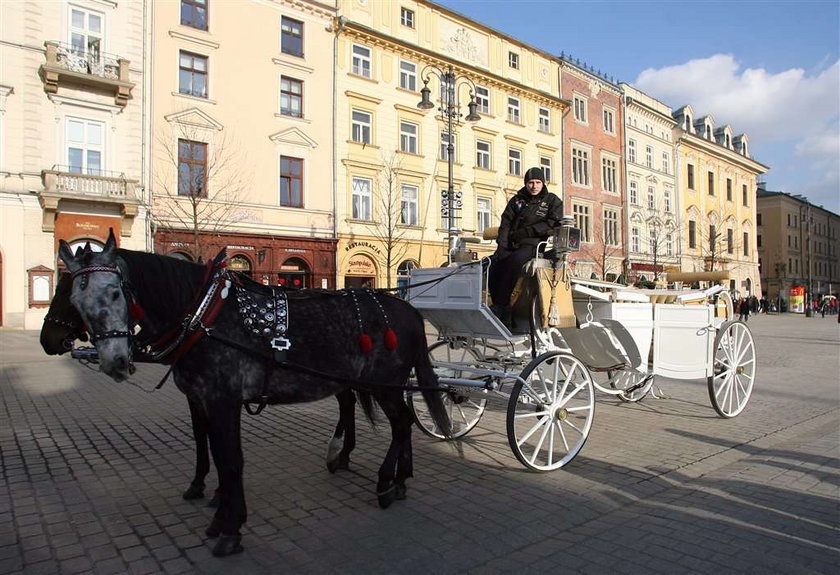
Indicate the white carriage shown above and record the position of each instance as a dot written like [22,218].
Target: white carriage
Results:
[581,336]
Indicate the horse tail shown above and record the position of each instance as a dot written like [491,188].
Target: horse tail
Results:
[366,400]
[428,379]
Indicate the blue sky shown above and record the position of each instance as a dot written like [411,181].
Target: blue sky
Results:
[769,69]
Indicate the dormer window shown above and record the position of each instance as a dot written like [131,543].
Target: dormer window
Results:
[688,124]
[727,141]
[708,134]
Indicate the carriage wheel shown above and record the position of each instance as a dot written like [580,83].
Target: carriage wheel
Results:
[726,298]
[464,409]
[550,415]
[632,386]
[733,370]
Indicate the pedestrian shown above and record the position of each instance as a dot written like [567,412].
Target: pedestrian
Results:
[744,310]
[528,219]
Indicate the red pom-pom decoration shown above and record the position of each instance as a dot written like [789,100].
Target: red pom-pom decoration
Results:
[390,339]
[365,343]
[136,311]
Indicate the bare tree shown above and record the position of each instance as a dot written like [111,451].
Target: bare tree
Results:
[606,251]
[719,243]
[200,183]
[392,214]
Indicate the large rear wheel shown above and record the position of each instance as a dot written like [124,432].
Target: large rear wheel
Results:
[465,406]
[550,412]
[733,370]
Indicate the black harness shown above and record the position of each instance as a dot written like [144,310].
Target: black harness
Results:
[99,336]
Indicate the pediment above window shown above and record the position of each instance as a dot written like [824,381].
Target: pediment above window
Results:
[195,118]
[294,137]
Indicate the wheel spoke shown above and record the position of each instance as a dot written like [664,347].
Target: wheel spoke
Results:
[572,425]
[531,432]
[538,446]
[562,435]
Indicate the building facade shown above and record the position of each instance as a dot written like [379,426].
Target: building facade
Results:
[797,246]
[72,143]
[393,166]
[717,182]
[593,136]
[241,136]
[650,201]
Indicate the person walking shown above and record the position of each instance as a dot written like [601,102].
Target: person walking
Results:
[744,310]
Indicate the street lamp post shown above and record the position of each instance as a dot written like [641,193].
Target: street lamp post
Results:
[449,86]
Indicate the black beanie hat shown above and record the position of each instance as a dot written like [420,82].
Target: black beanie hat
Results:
[534,174]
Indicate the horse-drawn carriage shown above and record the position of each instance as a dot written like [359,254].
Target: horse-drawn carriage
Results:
[574,336]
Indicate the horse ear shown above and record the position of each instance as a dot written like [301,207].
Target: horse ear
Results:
[67,257]
[108,250]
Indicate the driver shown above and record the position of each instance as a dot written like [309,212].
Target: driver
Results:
[529,218]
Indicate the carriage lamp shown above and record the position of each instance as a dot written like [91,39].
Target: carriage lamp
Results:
[450,84]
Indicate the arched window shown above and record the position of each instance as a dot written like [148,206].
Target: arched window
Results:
[240,264]
[406,266]
[95,245]
[181,256]
[294,273]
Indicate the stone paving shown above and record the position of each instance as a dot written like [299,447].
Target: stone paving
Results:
[93,471]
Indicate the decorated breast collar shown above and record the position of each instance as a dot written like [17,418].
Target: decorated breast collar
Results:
[267,319]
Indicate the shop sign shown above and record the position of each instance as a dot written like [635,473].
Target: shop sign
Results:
[362,244]
[247,248]
[360,265]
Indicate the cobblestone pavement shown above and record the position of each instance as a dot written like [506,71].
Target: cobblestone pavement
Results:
[93,471]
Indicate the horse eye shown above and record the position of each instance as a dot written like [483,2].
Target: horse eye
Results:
[115,295]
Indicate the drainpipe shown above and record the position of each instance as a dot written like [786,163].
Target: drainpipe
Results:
[340,22]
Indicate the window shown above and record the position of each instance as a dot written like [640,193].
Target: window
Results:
[408,137]
[291,36]
[649,156]
[513,109]
[194,13]
[513,60]
[666,162]
[653,242]
[291,97]
[580,167]
[730,241]
[85,146]
[609,121]
[361,61]
[690,177]
[406,17]
[408,215]
[611,227]
[192,75]
[482,154]
[712,238]
[545,164]
[609,169]
[580,108]
[711,183]
[667,198]
[651,198]
[545,120]
[408,75]
[482,98]
[582,221]
[747,243]
[758,219]
[669,244]
[729,189]
[86,33]
[631,151]
[514,162]
[634,193]
[361,127]
[745,196]
[444,147]
[484,214]
[692,234]
[361,199]
[192,169]
[788,220]
[291,182]
[635,240]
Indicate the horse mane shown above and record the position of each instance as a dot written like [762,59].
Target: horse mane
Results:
[163,285]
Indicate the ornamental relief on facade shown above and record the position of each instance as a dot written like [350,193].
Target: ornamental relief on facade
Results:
[464,44]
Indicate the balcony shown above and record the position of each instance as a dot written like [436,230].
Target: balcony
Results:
[62,183]
[68,65]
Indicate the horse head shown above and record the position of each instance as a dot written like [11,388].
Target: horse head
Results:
[97,294]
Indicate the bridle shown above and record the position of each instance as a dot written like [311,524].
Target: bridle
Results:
[99,336]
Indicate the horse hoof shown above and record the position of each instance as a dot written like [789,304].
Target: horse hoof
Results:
[214,529]
[338,464]
[228,545]
[193,492]
[214,501]
[400,490]
[387,497]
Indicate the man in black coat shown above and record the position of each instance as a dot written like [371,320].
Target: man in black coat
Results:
[529,218]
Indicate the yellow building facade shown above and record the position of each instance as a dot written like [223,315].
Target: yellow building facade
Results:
[392,164]
[717,181]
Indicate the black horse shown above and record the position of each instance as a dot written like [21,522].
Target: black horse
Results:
[63,326]
[232,341]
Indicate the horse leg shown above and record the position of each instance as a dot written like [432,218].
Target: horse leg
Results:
[339,457]
[224,419]
[391,485]
[202,456]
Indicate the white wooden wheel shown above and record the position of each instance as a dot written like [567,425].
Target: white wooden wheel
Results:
[550,415]
[631,385]
[733,370]
[726,298]
[464,407]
